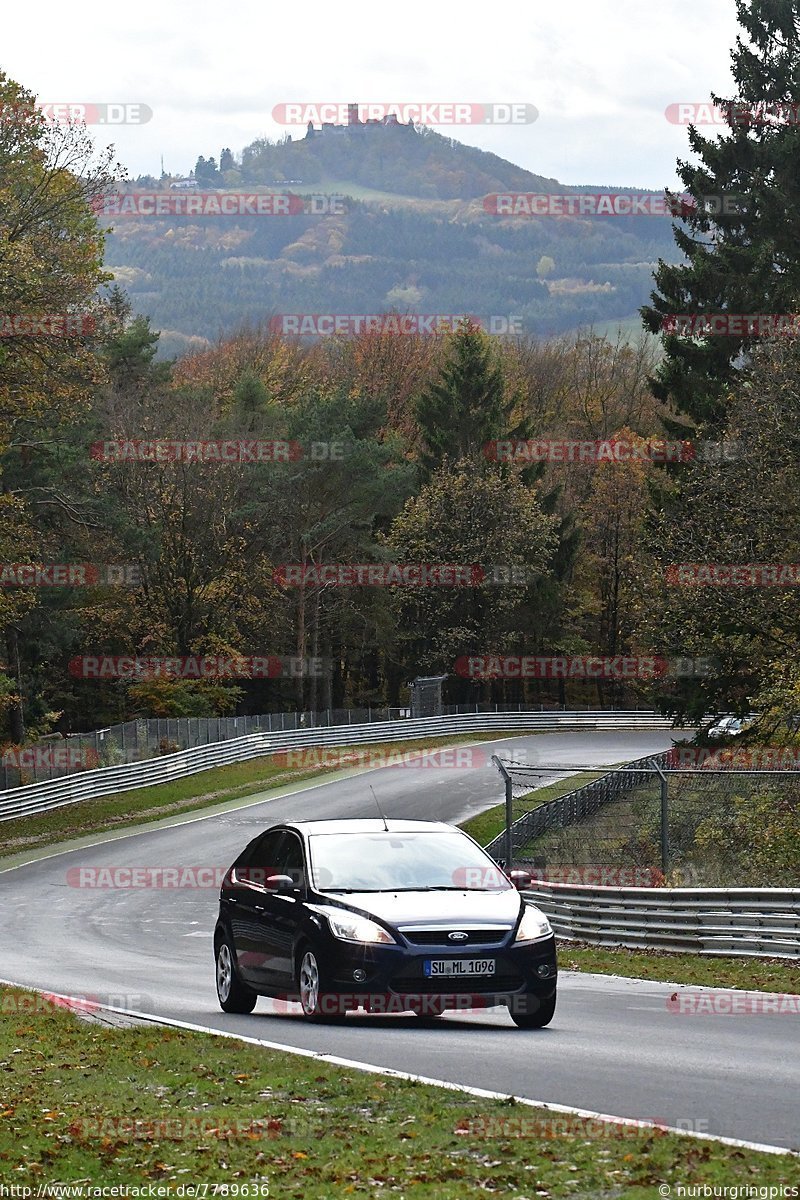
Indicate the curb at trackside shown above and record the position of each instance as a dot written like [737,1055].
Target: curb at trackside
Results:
[390,1073]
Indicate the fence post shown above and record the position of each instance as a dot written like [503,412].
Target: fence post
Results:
[509,838]
[664,819]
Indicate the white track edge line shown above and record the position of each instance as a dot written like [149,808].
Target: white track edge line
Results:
[391,1073]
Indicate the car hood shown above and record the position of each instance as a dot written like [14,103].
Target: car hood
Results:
[435,908]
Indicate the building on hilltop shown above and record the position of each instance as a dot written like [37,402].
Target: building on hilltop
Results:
[354,123]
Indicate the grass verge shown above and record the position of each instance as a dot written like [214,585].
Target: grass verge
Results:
[186,1108]
[752,974]
[487,825]
[196,792]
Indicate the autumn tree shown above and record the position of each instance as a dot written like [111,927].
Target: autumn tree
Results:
[51,254]
[468,517]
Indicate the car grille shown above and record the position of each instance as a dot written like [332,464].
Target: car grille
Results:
[438,937]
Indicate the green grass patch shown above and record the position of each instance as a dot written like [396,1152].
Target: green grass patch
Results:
[216,786]
[486,826]
[752,974]
[149,1105]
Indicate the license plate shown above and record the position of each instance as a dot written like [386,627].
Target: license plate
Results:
[459,966]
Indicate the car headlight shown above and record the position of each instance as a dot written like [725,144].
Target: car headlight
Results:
[358,929]
[534,926]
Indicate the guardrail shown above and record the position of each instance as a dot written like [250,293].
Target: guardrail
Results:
[88,785]
[752,922]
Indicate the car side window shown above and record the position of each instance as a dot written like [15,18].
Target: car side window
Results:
[260,860]
[290,858]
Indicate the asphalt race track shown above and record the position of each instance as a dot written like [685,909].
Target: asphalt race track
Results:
[614,1046]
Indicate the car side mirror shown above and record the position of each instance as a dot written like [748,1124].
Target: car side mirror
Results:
[521,879]
[279,883]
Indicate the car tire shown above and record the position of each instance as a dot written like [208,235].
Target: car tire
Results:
[428,1011]
[233,995]
[311,986]
[534,1012]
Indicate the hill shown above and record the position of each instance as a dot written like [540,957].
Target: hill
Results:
[408,229]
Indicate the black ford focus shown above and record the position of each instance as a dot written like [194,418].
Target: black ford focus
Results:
[387,916]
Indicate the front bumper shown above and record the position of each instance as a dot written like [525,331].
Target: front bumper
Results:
[392,978]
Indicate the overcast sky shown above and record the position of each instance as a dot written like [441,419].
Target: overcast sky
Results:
[600,74]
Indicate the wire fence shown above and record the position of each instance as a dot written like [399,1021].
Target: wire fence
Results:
[650,824]
[136,741]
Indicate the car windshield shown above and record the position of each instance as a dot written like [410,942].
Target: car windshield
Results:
[383,862]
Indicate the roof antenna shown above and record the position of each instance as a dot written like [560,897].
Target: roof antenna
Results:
[380,810]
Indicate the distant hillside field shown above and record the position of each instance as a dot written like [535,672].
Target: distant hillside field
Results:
[407,230]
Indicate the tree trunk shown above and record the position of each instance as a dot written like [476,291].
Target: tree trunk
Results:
[16,713]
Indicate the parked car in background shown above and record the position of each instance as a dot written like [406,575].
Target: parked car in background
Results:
[730,726]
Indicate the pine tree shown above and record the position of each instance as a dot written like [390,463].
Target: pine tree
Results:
[741,233]
[466,407]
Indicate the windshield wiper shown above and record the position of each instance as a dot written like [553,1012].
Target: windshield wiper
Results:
[431,887]
[423,887]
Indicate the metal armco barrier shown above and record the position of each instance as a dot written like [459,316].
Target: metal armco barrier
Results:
[750,922]
[87,785]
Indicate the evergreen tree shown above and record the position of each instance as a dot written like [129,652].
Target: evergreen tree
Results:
[741,230]
[466,407]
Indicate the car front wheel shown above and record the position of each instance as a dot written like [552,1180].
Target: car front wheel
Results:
[529,1012]
[317,1004]
[234,996]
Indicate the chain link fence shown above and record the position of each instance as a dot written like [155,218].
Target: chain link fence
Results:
[650,824]
[134,741]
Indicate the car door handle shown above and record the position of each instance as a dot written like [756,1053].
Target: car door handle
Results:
[259,908]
